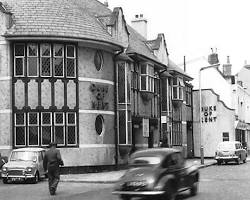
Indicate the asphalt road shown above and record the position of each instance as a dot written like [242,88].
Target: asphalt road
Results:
[225,182]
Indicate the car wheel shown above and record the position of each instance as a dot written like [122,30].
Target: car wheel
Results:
[5,180]
[238,161]
[36,178]
[171,193]
[245,160]
[218,162]
[125,197]
[194,189]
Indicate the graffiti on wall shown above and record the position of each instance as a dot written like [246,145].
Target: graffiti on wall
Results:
[208,114]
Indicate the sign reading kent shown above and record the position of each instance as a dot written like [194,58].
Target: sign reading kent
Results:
[208,114]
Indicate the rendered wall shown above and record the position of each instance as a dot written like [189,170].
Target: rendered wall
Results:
[212,130]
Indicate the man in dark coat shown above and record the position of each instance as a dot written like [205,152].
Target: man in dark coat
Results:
[52,161]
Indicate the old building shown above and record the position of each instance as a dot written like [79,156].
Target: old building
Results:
[220,110]
[76,73]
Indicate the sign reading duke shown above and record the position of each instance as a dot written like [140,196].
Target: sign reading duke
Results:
[208,114]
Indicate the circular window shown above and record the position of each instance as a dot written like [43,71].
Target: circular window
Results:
[99,124]
[98,60]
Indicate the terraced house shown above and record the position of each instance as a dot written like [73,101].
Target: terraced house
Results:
[76,73]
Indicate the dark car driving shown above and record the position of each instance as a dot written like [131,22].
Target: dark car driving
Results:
[158,172]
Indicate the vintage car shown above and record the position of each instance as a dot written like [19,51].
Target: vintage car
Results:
[157,173]
[230,151]
[24,164]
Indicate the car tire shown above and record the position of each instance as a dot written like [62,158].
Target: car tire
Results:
[171,192]
[238,161]
[5,180]
[219,162]
[36,178]
[245,160]
[194,189]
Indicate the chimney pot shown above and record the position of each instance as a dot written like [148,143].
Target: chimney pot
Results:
[140,25]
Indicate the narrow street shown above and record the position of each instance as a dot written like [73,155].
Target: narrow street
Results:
[225,182]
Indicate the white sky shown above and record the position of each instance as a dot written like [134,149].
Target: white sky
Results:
[193,27]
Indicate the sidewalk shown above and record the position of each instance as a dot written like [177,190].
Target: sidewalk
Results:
[113,176]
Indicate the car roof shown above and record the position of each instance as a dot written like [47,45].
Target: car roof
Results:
[154,152]
[30,149]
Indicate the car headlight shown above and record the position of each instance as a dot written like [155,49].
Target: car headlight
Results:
[29,169]
[4,169]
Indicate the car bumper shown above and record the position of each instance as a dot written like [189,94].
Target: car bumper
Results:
[27,176]
[226,157]
[138,193]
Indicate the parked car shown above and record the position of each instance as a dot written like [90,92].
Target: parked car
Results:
[230,151]
[24,164]
[158,172]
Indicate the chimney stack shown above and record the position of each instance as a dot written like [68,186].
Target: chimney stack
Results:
[227,68]
[139,23]
[106,3]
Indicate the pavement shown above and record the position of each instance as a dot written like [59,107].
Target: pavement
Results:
[113,176]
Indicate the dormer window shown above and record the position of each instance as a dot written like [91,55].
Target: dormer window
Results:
[109,29]
[147,78]
[178,85]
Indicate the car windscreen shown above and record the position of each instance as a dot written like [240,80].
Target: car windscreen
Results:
[23,156]
[226,146]
[145,160]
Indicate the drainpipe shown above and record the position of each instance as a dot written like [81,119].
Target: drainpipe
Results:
[116,110]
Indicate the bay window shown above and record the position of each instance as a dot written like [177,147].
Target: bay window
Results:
[178,85]
[147,78]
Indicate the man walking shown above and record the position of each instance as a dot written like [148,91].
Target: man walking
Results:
[52,161]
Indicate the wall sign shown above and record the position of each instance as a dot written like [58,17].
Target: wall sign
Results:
[100,92]
[208,114]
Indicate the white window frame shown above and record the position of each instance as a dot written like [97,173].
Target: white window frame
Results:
[23,57]
[46,125]
[23,125]
[67,57]
[54,56]
[63,125]
[67,125]
[36,125]
[149,77]
[41,56]
[28,56]
[179,86]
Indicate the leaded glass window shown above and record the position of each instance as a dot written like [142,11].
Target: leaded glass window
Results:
[19,54]
[45,52]
[58,60]
[98,60]
[32,60]
[33,129]
[71,128]
[20,129]
[99,124]
[59,128]
[70,61]
[46,123]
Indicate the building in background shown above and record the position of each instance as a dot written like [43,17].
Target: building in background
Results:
[224,108]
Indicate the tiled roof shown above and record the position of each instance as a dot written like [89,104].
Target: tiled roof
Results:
[58,18]
[173,67]
[137,44]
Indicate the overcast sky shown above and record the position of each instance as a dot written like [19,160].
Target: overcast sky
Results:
[193,27]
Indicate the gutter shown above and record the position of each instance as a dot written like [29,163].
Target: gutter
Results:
[116,108]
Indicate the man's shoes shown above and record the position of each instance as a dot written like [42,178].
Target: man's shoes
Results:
[52,191]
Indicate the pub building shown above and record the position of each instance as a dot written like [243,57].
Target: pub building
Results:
[74,72]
